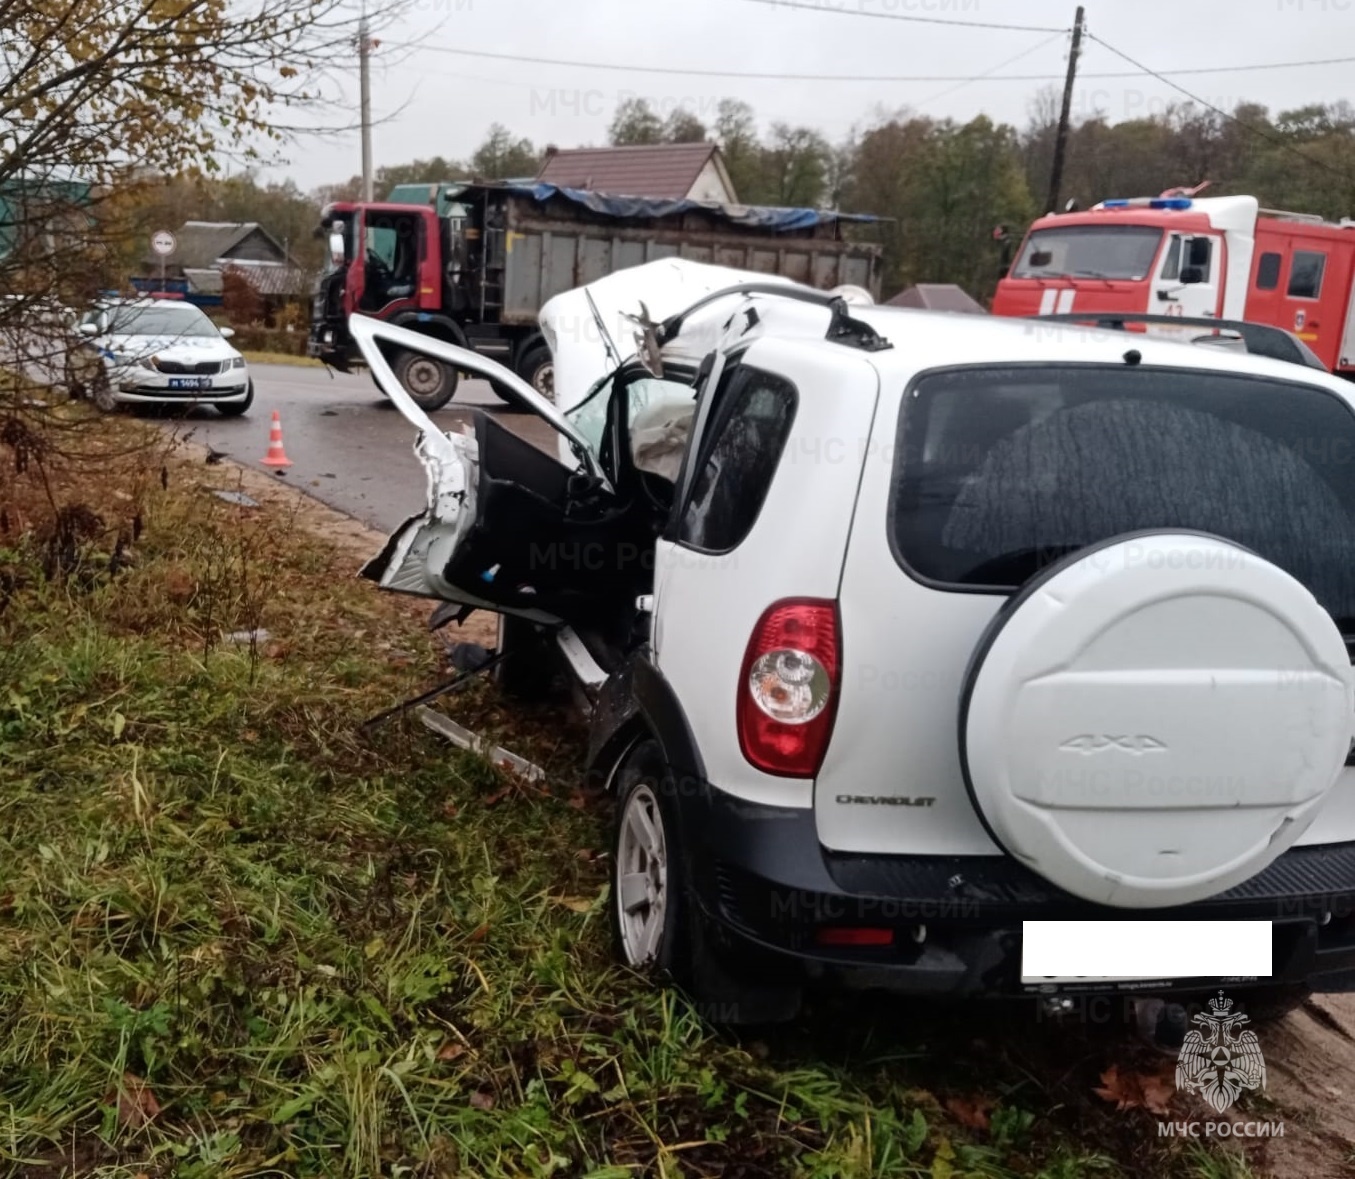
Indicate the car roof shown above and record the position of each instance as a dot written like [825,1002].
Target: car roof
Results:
[938,339]
[178,304]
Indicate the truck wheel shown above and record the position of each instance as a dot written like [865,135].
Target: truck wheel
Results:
[430,382]
[537,368]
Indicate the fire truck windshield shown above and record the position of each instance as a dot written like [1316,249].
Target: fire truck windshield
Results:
[1089,251]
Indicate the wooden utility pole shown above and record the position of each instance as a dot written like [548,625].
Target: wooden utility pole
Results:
[365,101]
[1061,137]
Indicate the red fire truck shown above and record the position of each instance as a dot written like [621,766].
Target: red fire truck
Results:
[1221,257]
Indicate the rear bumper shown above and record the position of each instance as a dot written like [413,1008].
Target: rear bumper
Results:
[767,888]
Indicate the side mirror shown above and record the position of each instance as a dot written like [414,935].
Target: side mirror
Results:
[336,253]
[227,332]
[88,329]
[1190,275]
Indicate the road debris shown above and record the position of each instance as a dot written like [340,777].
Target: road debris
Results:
[463,738]
[239,498]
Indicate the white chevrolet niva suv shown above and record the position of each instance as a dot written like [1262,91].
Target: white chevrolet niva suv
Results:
[898,630]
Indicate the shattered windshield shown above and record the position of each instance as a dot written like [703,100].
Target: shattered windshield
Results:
[589,417]
[1089,251]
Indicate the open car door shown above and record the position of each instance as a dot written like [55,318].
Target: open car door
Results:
[508,527]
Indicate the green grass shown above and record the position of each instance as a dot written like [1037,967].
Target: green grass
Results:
[331,955]
[256,357]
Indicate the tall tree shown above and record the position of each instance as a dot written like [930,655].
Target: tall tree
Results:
[635,122]
[682,126]
[736,133]
[943,187]
[100,98]
[795,166]
[503,157]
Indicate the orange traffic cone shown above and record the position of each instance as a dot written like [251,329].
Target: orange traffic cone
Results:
[276,456]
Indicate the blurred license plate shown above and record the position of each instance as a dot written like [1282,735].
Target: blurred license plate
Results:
[190,382]
[1123,951]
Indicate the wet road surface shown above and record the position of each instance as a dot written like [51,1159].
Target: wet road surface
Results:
[348,445]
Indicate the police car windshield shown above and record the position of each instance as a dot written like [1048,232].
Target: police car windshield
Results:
[159,320]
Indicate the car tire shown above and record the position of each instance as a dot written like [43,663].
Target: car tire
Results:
[235,409]
[657,927]
[537,368]
[431,383]
[101,392]
[528,674]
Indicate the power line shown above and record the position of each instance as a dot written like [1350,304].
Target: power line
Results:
[1273,140]
[918,20]
[868,78]
[987,74]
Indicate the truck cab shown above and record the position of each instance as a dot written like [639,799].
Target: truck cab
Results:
[1158,255]
[1217,257]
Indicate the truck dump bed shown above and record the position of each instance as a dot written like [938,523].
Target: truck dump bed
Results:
[549,239]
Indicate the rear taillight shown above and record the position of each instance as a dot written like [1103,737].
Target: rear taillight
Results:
[788,687]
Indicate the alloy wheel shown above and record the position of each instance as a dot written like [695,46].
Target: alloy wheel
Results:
[641,877]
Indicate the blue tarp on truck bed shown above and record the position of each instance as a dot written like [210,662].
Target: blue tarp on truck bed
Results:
[778,220]
[761,216]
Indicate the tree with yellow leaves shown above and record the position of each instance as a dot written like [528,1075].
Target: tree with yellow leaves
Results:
[99,98]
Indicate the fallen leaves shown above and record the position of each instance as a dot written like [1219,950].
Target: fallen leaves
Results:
[136,1104]
[497,797]
[970,1111]
[1130,1090]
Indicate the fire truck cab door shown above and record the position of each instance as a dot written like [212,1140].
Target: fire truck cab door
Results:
[1190,276]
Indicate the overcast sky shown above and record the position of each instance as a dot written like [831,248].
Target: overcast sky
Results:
[436,103]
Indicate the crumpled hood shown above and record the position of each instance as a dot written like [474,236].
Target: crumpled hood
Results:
[579,339]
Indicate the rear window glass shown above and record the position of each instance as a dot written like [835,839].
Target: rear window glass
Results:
[999,472]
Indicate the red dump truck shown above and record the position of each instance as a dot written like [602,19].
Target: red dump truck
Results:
[1176,255]
[473,263]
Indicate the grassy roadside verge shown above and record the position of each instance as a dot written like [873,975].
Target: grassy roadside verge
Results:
[256,357]
[239,939]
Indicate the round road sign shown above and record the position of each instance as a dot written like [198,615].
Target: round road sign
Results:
[162,242]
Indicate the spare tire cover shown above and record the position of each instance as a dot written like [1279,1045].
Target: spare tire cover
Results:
[1153,720]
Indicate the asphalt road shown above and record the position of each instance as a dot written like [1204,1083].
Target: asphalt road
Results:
[348,445]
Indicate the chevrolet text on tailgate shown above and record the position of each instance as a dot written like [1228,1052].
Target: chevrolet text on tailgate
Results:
[1193,257]
[898,629]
